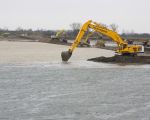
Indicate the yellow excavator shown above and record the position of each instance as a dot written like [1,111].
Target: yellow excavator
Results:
[123,47]
[59,36]
[85,41]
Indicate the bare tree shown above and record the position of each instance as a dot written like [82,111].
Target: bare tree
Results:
[114,27]
[75,27]
[104,25]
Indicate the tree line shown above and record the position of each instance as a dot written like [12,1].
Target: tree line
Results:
[69,34]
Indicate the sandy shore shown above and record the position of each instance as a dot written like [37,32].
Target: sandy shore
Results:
[29,52]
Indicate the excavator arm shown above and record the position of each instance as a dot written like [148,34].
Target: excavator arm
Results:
[123,47]
[79,36]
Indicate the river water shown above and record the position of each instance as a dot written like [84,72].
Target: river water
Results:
[77,90]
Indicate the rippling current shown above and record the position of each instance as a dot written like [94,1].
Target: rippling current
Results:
[78,90]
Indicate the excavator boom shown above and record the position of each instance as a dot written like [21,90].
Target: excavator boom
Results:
[123,47]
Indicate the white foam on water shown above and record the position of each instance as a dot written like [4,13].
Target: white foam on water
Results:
[74,64]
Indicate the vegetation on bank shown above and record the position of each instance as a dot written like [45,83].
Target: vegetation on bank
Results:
[69,34]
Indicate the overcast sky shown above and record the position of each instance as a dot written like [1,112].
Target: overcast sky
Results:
[59,14]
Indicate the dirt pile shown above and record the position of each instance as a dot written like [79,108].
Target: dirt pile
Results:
[123,59]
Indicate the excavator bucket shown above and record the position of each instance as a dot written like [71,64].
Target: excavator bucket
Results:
[65,55]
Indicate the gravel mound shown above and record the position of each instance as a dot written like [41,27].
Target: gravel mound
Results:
[123,59]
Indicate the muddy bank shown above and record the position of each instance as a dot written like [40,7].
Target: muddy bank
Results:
[123,59]
[147,50]
[59,43]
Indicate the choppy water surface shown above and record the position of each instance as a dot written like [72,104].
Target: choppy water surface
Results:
[74,91]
